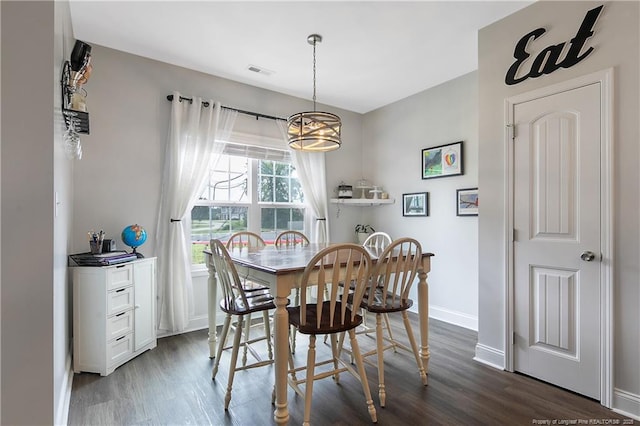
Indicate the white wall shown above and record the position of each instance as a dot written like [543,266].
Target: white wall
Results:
[63,199]
[615,43]
[393,139]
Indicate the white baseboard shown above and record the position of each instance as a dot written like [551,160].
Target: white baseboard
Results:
[62,406]
[489,356]
[453,317]
[626,403]
[195,324]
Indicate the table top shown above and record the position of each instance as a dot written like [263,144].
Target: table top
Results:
[283,260]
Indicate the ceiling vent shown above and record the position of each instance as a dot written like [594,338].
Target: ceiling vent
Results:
[259,70]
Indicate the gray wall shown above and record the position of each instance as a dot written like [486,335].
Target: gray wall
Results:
[394,137]
[36,307]
[27,291]
[616,45]
[34,298]
[117,182]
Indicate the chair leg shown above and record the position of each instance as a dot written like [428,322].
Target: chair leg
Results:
[221,340]
[335,353]
[233,363]
[382,393]
[363,376]
[414,347]
[308,391]
[341,344]
[292,368]
[388,327]
[267,332]
[293,329]
[247,328]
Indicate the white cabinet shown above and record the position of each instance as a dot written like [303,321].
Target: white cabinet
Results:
[113,314]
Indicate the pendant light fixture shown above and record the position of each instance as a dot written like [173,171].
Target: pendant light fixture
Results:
[314,131]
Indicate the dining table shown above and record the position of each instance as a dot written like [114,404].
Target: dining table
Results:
[281,268]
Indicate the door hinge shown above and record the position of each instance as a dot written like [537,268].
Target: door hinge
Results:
[513,338]
[511,129]
[513,236]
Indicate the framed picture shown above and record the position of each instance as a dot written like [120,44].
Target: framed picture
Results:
[441,161]
[415,204]
[467,202]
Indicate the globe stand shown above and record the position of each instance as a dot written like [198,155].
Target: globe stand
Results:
[138,255]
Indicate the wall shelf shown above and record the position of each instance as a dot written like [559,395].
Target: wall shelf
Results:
[362,201]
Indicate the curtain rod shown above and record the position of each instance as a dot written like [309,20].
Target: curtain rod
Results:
[257,115]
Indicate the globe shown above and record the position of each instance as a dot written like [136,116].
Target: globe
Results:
[134,236]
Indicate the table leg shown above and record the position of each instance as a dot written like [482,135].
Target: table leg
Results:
[423,308]
[281,321]
[212,295]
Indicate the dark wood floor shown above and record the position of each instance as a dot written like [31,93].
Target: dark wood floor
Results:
[171,385]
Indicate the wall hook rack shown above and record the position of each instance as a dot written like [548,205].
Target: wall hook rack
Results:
[79,119]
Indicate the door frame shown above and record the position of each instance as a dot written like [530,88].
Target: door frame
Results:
[606,80]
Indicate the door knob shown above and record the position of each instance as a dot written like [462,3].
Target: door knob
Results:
[587,256]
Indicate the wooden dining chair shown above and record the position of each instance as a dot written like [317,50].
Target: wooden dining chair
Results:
[237,303]
[388,292]
[245,239]
[378,240]
[242,240]
[291,238]
[294,239]
[330,314]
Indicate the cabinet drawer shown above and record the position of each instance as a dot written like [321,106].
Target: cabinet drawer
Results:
[119,349]
[119,324]
[119,300]
[119,276]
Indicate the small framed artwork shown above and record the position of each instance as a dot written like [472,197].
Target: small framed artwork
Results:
[442,161]
[415,204]
[467,202]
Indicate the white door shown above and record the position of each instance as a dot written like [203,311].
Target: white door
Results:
[556,249]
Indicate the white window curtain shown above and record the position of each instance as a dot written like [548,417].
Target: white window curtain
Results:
[191,147]
[312,175]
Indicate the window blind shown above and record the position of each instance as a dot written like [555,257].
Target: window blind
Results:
[256,152]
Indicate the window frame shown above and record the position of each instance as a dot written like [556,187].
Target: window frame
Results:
[254,214]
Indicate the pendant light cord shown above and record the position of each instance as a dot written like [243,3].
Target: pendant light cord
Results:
[314,75]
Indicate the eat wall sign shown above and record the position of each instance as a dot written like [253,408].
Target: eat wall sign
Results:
[549,60]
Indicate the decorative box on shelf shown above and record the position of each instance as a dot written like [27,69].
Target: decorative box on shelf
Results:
[345,191]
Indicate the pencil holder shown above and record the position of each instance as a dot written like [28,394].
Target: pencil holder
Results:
[95,246]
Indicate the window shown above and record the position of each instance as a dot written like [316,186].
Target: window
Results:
[242,193]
